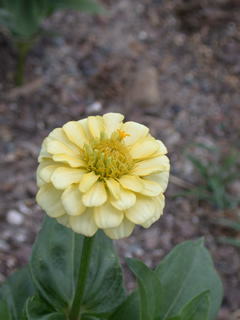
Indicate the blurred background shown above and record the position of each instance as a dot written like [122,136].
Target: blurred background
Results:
[173,65]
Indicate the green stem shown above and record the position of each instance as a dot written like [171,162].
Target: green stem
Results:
[23,49]
[87,248]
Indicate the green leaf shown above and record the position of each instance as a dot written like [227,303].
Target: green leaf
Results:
[196,309]
[129,309]
[82,5]
[150,289]
[55,263]
[4,310]
[230,241]
[36,308]
[16,290]
[186,272]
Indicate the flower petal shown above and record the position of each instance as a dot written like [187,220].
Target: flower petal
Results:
[49,199]
[88,181]
[84,124]
[75,133]
[113,187]
[84,224]
[152,188]
[135,130]
[112,122]
[133,183]
[72,201]
[106,216]
[122,231]
[64,220]
[161,178]
[162,149]
[45,170]
[144,148]
[63,177]
[59,135]
[127,199]
[43,153]
[150,166]
[95,196]
[143,210]
[159,202]
[57,147]
[74,162]
[95,125]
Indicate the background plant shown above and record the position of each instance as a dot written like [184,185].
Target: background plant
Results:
[22,20]
[217,175]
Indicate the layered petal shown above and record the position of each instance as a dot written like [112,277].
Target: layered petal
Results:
[63,177]
[161,178]
[88,181]
[144,148]
[75,133]
[150,166]
[87,133]
[151,188]
[45,170]
[106,216]
[72,201]
[85,223]
[112,122]
[59,135]
[133,183]
[64,220]
[57,147]
[74,162]
[135,130]
[49,199]
[95,125]
[126,200]
[159,202]
[95,196]
[143,210]
[113,187]
[122,231]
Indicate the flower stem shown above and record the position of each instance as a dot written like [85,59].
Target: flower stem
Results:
[23,49]
[82,278]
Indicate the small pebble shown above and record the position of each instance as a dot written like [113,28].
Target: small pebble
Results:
[4,247]
[14,217]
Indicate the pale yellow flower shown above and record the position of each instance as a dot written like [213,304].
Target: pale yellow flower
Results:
[102,173]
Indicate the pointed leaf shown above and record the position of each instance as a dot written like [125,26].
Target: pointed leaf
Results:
[150,290]
[4,310]
[16,290]
[55,263]
[129,309]
[186,272]
[36,308]
[196,309]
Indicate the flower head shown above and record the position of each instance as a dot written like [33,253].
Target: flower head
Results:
[102,173]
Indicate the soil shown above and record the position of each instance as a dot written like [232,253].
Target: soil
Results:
[171,65]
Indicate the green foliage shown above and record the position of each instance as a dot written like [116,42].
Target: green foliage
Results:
[217,175]
[56,257]
[4,310]
[23,17]
[231,224]
[196,309]
[22,20]
[189,285]
[184,286]
[15,292]
[150,290]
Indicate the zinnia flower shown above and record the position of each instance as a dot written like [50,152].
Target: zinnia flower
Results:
[102,173]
